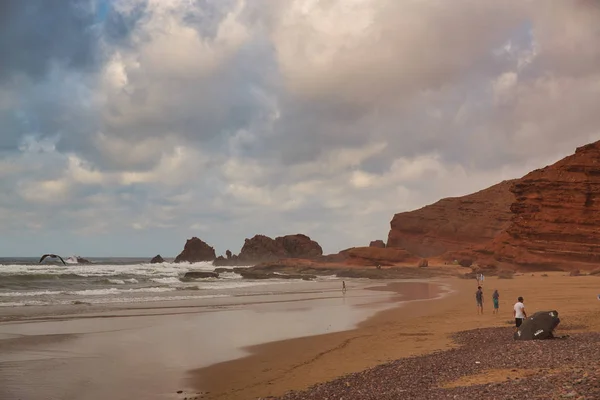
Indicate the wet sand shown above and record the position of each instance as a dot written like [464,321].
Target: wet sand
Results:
[152,351]
[147,350]
[421,327]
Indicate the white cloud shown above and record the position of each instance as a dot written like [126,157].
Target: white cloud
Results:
[231,118]
[47,191]
[503,86]
[385,50]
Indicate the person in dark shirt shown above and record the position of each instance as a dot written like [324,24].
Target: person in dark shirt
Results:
[496,299]
[479,298]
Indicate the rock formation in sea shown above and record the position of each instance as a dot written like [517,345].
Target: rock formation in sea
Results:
[262,248]
[157,260]
[195,250]
[191,275]
[453,223]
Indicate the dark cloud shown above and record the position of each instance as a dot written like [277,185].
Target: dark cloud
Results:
[11,130]
[34,34]
[207,16]
[118,26]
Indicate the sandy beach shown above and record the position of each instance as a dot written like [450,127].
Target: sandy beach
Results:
[265,345]
[419,328]
[123,351]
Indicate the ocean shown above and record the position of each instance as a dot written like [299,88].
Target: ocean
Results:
[25,282]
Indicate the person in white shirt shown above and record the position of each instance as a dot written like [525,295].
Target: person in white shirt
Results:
[519,312]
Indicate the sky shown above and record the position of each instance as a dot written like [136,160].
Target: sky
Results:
[128,126]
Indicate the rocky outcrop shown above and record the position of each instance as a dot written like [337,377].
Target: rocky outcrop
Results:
[373,256]
[377,243]
[195,250]
[81,260]
[157,260]
[224,262]
[556,216]
[191,275]
[295,268]
[221,270]
[453,223]
[257,274]
[261,248]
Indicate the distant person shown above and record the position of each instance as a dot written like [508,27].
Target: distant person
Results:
[519,312]
[479,299]
[496,300]
[344,287]
[479,278]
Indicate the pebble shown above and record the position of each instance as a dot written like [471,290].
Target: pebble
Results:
[423,377]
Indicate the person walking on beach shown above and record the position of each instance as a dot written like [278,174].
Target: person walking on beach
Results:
[479,299]
[496,299]
[344,287]
[479,278]
[519,312]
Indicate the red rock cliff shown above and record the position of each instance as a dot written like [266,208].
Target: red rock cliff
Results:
[556,215]
[453,223]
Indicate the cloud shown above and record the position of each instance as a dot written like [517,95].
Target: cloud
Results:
[372,52]
[130,125]
[25,48]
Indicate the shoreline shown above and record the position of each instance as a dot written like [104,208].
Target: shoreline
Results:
[274,343]
[416,329]
[146,352]
[311,291]
[215,381]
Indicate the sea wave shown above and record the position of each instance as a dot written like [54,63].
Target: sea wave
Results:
[109,300]
[26,284]
[122,281]
[87,292]
[43,271]
[166,281]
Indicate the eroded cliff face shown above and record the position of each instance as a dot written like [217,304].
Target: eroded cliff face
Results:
[556,215]
[453,223]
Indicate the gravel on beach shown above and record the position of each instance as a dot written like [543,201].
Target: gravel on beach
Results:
[489,364]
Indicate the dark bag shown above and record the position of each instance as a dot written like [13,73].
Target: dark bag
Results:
[538,326]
